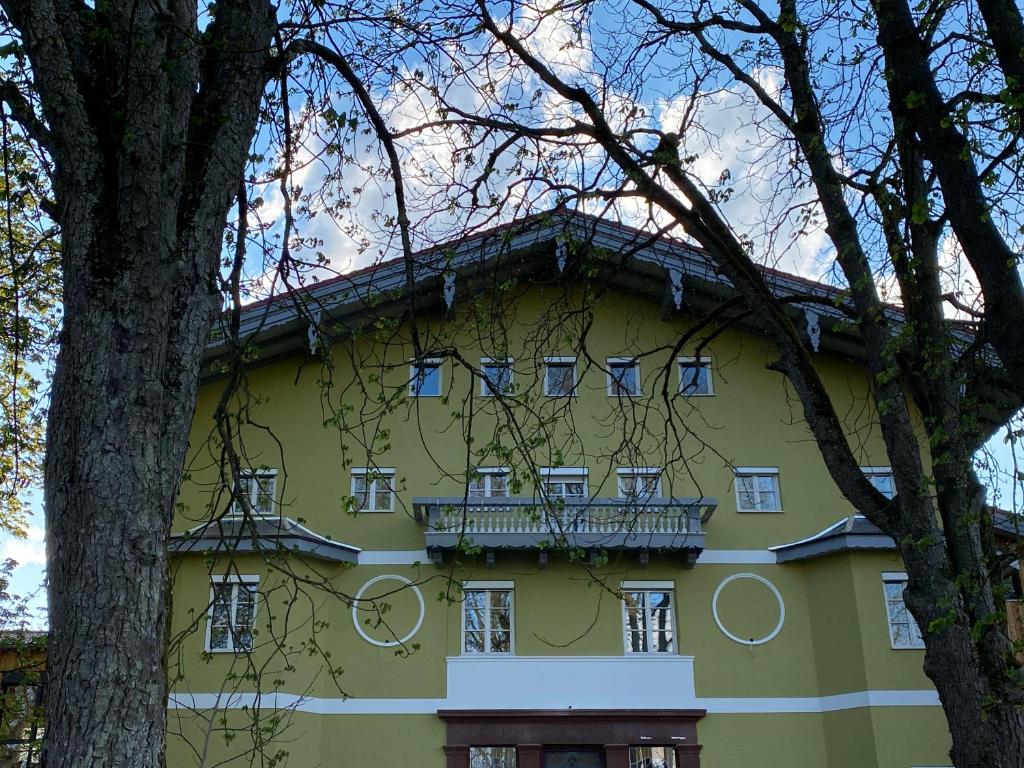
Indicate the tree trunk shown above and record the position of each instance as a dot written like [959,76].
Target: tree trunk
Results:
[149,123]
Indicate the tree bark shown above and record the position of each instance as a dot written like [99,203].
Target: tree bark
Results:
[149,127]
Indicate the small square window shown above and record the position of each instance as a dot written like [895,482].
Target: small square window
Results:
[647,614]
[903,629]
[425,378]
[639,483]
[623,377]
[695,376]
[258,488]
[486,620]
[497,377]
[652,757]
[373,489]
[489,482]
[492,757]
[232,613]
[881,478]
[559,377]
[757,490]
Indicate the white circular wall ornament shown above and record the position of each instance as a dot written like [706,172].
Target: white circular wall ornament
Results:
[359,596]
[778,596]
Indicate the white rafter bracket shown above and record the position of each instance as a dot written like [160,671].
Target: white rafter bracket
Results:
[675,278]
[449,289]
[313,332]
[813,328]
[561,254]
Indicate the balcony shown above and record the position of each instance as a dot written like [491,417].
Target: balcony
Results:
[531,523]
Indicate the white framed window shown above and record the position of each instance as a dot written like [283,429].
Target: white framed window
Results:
[489,482]
[487,617]
[903,630]
[757,489]
[652,757]
[373,489]
[564,482]
[623,377]
[492,757]
[259,488]
[560,376]
[647,616]
[232,614]
[425,378]
[695,376]
[498,376]
[638,482]
[881,478]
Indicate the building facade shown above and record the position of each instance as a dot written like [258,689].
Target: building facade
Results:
[574,519]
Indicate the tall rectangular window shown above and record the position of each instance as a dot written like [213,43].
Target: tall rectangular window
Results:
[232,613]
[639,482]
[489,482]
[497,377]
[652,757]
[258,489]
[564,483]
[560,376]
[647,614]
[492,757]
[695,376]
[903,629]
[425,378]
[373,489]
[881,478]
[487,618]
[623,377]
[757,490]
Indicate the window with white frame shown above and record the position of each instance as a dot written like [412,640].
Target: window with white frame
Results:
[564,482]
[881,478]
[487,617]
[489,482]
[647,617]
[695,376]
[639,482]
[623,376]
[258,488]
[757,489]
[232,613]
[497,377]
[560,376]
[903,629]
[373,489]
[652,757]
[492,757]
[425,378]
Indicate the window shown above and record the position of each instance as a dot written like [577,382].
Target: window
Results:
[647,614]
[560,376]
[497,377]
[258,488]
[651,757]
[757,489]
[492,757]
[373,489]
[623,377]
[564,483]
[695,376]
[903,629]
[881,478]
[232,613]
[487,617]
[490,482]
[639,482]
[425,378]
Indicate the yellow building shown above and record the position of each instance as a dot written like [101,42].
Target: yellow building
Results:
[540,501]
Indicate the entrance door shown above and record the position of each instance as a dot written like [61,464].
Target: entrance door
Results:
[574,758]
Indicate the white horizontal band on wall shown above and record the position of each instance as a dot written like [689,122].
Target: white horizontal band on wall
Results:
[714,706]
[707,557]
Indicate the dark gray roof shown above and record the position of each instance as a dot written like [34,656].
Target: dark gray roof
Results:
[855,532]
[238,534]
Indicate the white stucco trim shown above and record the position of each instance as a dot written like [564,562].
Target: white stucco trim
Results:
[707,557]
[357,623]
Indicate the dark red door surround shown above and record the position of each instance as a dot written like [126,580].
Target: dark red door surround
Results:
[529,730]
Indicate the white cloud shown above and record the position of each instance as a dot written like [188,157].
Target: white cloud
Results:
[28,551]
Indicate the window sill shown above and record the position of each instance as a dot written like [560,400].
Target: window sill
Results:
[760,511]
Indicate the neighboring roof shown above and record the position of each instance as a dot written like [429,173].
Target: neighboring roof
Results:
[238,534]
[856,532]
[664,270]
